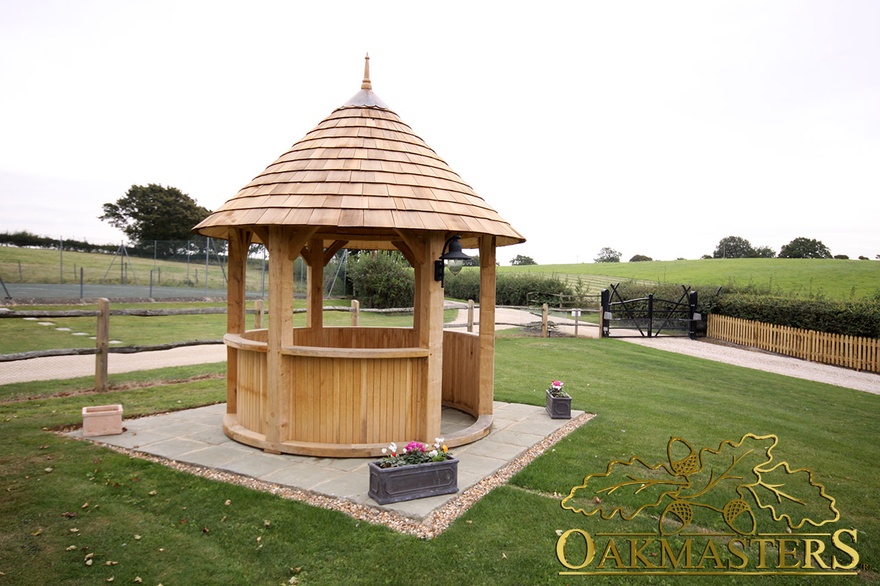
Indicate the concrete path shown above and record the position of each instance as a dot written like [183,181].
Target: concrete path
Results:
[64,367]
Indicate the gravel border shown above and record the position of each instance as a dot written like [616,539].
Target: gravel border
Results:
[431,526]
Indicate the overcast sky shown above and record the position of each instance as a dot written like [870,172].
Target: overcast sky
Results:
[654,127]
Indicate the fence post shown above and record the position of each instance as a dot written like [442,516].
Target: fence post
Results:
[470,316]
[355,313]
[258,314]
[81,278]
[692,313]
[102,343]
[604,330]
[544,315]
[650,314]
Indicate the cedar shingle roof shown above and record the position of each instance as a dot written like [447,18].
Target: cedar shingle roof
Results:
[359,175]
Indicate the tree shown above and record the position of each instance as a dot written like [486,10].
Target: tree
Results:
[608,255]
[640,258]
[520,260]
[764,252]
[153,212]
[734,247]
[804,248]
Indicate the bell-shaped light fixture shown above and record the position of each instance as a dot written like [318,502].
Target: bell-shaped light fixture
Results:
[452,256]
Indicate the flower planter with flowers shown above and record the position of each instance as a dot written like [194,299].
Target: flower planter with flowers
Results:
[558,401]
[417,471]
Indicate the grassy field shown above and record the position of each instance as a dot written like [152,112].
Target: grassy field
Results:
[832,278]
[805,278]
[76,513]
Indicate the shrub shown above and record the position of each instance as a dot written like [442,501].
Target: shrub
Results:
[510,288]
[382,279]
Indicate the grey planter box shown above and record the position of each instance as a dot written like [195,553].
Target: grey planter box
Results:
[391,485]
[558,407]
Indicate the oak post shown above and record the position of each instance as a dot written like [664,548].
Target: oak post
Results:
[280,333]
[315,315]
[487,325]
[235,309]
[429,308]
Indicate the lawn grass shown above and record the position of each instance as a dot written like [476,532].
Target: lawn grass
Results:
[169,527]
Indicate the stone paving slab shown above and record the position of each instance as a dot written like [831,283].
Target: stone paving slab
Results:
[196,437]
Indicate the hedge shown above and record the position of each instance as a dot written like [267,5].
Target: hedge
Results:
[518,289]
[855,318]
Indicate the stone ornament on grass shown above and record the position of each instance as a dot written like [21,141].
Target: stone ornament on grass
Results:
[102,420]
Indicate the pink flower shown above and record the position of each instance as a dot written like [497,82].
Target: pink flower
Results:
[557,384]
[415,447]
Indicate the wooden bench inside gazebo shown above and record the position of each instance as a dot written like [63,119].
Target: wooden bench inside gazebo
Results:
[360,180]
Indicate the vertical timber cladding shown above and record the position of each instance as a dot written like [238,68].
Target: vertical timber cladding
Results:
[355,400]
[252,387]
[461,371]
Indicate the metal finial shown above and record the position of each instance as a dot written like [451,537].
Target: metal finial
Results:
[366,85]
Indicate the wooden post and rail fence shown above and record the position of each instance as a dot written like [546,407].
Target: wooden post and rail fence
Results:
[102,348]
[846,351]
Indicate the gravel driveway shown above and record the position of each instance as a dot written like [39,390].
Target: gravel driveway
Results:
[738,356]
[823,373]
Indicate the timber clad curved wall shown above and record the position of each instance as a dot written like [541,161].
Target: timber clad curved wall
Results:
[358,390]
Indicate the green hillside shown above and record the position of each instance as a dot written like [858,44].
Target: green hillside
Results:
[807,278]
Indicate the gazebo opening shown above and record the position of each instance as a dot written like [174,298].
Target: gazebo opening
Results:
[361,180]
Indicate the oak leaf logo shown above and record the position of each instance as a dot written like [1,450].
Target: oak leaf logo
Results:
[742,475]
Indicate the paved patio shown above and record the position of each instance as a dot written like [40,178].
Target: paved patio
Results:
[196,437]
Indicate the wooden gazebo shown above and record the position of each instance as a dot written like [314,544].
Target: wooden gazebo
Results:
[360,180]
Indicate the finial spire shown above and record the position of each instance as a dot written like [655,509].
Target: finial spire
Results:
[366,85]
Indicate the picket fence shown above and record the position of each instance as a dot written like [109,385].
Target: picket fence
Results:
[846,351]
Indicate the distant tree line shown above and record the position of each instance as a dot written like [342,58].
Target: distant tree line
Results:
[739,247]
[27,239]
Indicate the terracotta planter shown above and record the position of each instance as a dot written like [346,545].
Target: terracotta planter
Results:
[102,420]
[391,485]
[558,407]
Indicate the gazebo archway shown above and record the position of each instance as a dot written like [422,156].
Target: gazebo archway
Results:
[362,180]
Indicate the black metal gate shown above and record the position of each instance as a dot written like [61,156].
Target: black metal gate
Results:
[649,316]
